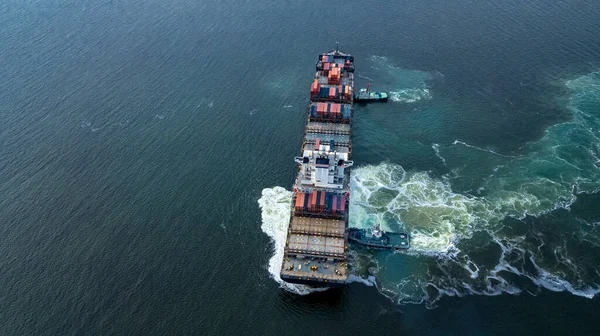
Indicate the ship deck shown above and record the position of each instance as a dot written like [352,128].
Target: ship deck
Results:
[318,226]
[328,128]
[339,140]
[339,149]
[315,245]
[300,269]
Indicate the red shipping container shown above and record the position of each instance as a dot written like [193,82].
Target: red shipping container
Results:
[313,200]
[332,92]
[335,108]
[310,198]
[333,207]
[321,108]
[343,204]
[318,143]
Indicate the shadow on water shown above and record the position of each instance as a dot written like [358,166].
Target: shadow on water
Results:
[334,298]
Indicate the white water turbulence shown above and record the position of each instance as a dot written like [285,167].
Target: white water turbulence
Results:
[514,235]
[403,85]
[413,202]
[275,205]
[410,95]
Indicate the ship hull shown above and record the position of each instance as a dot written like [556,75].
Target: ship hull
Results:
[369,100]
[313,283]
[373,97]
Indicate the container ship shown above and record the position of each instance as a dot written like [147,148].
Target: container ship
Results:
[316,247]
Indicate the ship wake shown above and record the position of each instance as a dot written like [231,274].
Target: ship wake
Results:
[514,235]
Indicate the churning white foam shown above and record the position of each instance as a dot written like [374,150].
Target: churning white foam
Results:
[427,208]
[275,205]
[368,281]
[406,85]
[410,95]
[438,218]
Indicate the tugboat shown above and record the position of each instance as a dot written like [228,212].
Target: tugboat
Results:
[375,238]
[364,96]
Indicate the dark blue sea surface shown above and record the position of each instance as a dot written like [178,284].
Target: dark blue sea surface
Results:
[146,147]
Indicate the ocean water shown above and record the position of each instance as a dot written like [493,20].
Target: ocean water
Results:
[146,157]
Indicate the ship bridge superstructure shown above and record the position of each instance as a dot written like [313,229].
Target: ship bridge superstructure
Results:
[324,165]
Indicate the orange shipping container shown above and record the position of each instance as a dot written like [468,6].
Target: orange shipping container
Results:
[299,201]
[313,200]
[332,92]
